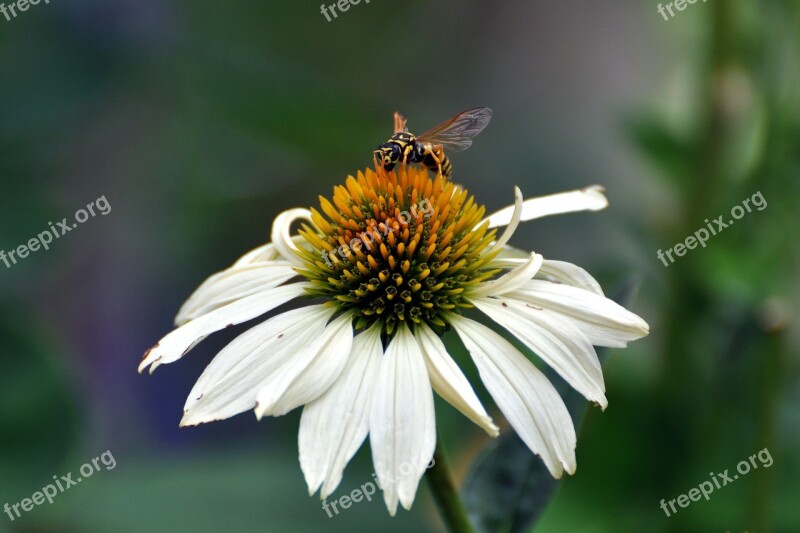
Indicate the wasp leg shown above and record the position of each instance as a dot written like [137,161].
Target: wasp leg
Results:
[377,160]
[435,153]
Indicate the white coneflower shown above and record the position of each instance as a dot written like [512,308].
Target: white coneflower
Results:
[395,259]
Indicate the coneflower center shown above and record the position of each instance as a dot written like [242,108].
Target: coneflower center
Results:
[397,247]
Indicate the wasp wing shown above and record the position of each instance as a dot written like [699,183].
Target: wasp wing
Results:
[400,123]
[456,134]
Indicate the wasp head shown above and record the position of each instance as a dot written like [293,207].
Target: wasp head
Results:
[388,154]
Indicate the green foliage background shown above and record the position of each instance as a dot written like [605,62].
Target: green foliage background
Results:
[200,121]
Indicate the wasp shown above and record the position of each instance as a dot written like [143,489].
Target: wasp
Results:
[454,135]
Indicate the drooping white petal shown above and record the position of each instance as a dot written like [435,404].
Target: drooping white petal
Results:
[588,199]
[281,238]
[401,422]
[178,343]
[562,329]
[233,284]
[265,252]
[518,277]
[570,274]
[578,366]
[230,383]
[513,223]
[510,257]
[524,395]
[334,426]
[306,379]
[550,270]
[449,382]
[602,320]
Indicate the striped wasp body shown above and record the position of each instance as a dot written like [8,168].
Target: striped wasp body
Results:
[428,149]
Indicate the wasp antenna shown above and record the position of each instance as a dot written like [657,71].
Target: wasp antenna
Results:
[399,122]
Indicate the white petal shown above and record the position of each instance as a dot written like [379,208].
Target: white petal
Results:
[178,343]
[233,284]
[449,382]
[265,252]
[510,257]
[230,384]
[524,395]
[603,321]
[303,382]
[518,277]
[281,238]
[333,427]
[512,252]
[559,326]
[512,224]
[401,424]
[570,274]
[579,367]
[588,199]
[559,271]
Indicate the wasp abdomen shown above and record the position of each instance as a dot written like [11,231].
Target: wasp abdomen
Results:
[434,160]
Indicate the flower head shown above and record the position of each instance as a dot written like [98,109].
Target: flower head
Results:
[395,248]
[396,259]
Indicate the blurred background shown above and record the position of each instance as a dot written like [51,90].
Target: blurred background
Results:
[200,121]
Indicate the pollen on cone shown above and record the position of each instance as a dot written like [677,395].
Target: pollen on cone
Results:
[394,247]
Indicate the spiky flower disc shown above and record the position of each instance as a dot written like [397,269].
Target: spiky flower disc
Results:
[397,247]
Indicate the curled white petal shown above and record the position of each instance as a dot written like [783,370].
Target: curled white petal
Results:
[281,237]
[512,280]
[510,257]
[265,252]
[570,274]
[516,215]
[587,199]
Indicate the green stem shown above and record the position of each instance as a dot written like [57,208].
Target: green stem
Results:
[440,480]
